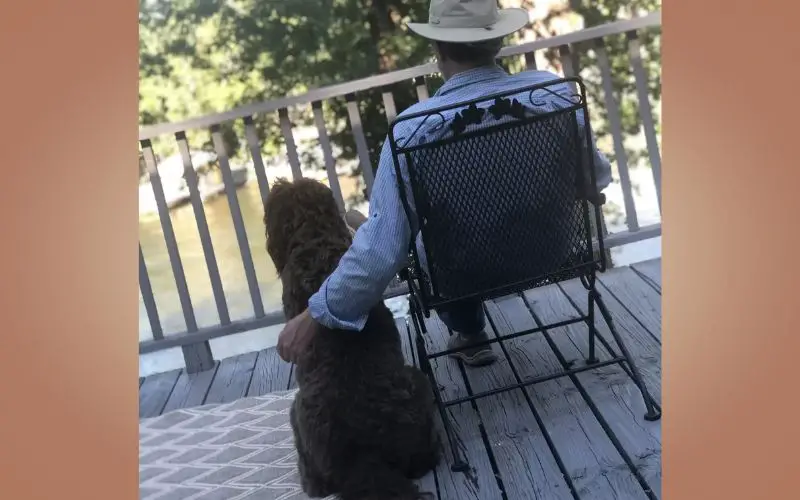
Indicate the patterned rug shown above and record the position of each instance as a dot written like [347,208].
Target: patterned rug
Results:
[239,450]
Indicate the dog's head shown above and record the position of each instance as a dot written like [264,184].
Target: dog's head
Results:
[292,206]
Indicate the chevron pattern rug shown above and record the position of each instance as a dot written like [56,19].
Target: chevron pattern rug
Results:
[242,450]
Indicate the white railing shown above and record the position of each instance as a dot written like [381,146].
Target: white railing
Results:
[194,340]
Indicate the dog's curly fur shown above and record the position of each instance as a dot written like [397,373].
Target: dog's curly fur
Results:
[362,421]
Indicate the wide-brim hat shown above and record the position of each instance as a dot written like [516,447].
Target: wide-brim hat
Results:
[468,21]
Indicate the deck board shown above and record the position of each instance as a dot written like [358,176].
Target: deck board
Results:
[514,441]
[650,270]
[643,346]
[191,389]
[270,374]
[427,483]
[636,295]
[479,481]
[232,379]
[609,388]
[595,467]
[155,392]
[526,467]
[406,341]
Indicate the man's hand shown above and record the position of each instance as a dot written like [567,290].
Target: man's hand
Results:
[296,336]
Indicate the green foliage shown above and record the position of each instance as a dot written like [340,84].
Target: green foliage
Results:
[208,56]
[595,13]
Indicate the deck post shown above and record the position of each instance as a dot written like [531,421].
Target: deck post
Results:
[198,357]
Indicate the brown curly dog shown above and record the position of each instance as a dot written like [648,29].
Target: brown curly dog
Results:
[362,420]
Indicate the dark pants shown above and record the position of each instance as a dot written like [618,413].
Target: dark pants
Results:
[465,316]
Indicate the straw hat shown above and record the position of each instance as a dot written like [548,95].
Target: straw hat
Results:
[466,21]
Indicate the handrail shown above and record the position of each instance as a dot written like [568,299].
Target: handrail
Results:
[341,89]
[277,317]
[194,340]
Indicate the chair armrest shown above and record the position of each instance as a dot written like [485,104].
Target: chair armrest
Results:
[593,196]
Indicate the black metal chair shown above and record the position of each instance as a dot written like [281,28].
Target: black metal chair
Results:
[503,192]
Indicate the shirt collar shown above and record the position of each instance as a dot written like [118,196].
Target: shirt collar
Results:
[470,77]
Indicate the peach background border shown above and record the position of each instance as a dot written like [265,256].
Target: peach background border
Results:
[68,419]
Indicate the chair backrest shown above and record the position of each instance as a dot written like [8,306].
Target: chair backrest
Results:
[495,185]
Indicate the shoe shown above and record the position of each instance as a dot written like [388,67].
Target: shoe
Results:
[472,356]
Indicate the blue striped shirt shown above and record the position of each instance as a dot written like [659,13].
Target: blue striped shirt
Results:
[380,246]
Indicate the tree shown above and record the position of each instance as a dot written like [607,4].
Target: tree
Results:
[210,56]
[207,56]
[330,41]
[596,13]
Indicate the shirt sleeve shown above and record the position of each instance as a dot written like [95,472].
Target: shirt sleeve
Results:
[602,167]
[378,251]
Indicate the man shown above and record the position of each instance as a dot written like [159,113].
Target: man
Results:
[466,36]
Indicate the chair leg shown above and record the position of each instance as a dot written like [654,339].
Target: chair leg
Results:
[459,464]
[592,359]
[652,412]
[417,315]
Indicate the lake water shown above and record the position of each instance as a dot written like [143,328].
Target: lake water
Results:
[228,256]
[232,272]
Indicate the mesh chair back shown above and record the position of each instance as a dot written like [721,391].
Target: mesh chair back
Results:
[494,185]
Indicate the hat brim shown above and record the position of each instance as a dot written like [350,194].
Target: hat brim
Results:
[509,20]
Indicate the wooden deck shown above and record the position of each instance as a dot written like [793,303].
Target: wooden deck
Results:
[595,426]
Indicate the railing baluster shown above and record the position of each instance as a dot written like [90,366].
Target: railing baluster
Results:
[327,153]
[388,105]
[568,64]
[645,111]
[255,152]
[197,356]
[202,228]
[149,299]
[169,236]
[361,141]
[615,124]
[238,221]
[530,60]
[291,147]
[422,88]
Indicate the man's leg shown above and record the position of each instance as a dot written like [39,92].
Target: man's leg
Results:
[468,323]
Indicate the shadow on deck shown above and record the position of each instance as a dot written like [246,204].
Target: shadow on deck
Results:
[596,425]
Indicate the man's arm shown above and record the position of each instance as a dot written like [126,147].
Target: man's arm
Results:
[379,250]
[602,167]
